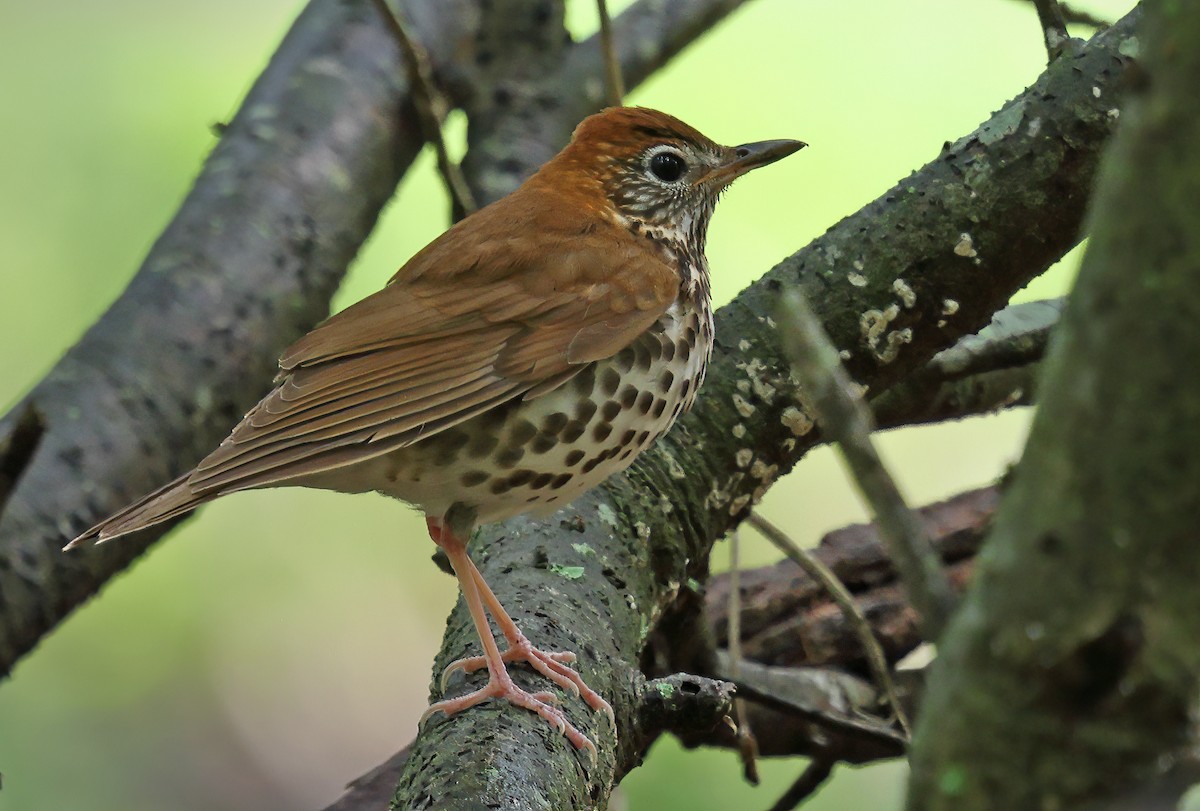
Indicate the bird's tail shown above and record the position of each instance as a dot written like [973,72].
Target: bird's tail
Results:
[167,502]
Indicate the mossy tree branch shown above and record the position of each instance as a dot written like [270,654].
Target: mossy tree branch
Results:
[1070,674]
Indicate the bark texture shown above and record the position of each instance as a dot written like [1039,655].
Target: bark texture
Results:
[1070,674]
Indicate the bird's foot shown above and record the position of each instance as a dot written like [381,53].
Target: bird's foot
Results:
[551,664]
[503,687]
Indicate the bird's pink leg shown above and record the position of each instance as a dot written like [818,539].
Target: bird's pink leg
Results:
[500,684]
[551,664]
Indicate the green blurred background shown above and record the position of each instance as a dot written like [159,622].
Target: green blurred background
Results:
[280,644]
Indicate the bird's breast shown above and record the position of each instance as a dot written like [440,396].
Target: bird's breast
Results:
[537,455]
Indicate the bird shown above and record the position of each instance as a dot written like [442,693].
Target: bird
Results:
[531,351]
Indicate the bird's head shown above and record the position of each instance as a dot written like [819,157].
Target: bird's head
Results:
[659,172]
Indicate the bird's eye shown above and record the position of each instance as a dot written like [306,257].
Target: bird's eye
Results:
[667,166]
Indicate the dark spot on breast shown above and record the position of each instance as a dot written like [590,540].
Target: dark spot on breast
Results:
[585,410]
[573,431]
[642,437]
[521,432]
[642,357]
[625,359]
[554,422]
[660,405]
[683,349]
[585,381]
[574,458]
[627,437]
[610,381]
[500,487]
[626,453]
[666,380]
[508,458]
[543,443]
[591,464]
[474,478]
[482,444]
[668,350]
[610,410]
[628,397]
[450,442]
[601,432]
[560,480]
[683,391]
[541,480]
[522,476]
[644,401]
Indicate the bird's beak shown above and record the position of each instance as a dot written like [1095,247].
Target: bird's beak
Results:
[751,156]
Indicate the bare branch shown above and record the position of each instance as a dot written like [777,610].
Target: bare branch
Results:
[1077,16]
[1054,27]
[747,746]
[843,417]
[431,107]
[813,567]
[612,65]
[994,369]
[811,779]
[1076,649]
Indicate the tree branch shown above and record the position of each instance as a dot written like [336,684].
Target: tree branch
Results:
[826,391]
[430,107]
[993,369]
[799,639]
[1070,674]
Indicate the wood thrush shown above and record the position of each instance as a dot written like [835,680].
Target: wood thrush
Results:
[519,359]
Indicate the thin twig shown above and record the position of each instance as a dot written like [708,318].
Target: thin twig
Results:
[431,107]
[845,419]
[1054,27]
[612,64]
[816,773]
[747,745]
[821,573]
[1078,16]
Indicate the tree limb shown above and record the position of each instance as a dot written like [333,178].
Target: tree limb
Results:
[801,649]
[828,394]
[1070,674]
[993,369]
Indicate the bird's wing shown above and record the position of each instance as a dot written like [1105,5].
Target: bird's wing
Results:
[460,330]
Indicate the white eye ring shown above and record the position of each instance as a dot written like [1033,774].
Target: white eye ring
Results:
[666,164]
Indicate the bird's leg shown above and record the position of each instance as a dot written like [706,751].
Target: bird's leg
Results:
[551,664]
[500,684]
